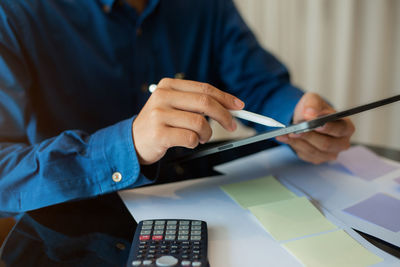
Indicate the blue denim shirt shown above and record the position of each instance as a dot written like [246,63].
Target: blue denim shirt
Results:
[74,73]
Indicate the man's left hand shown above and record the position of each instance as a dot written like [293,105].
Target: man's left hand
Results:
[324,143]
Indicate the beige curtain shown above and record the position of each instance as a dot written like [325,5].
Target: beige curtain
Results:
[346,50]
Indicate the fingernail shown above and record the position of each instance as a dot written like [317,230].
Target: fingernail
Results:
[294,135]
[311,112]
[233,125]
[238,103]
[282,138]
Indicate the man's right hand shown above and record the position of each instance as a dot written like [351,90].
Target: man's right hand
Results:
[175,114]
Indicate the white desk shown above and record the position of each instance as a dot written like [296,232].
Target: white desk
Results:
[236,238]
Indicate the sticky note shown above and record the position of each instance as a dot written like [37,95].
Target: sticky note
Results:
[258,191]
[380,209]
[291,218]
[365,164]
[331,249]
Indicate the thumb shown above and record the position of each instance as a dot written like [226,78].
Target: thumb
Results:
[310,107]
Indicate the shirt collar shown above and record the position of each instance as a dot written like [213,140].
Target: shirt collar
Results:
[107,4]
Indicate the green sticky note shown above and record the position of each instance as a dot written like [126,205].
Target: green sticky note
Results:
[291,218]
[331,249]
[257,191]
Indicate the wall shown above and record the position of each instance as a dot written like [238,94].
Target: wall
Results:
[346,50]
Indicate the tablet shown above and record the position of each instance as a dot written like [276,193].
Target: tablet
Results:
[295,128]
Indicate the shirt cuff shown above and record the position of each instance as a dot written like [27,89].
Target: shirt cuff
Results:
[114,157]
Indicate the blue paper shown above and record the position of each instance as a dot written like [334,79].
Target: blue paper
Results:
[380,209]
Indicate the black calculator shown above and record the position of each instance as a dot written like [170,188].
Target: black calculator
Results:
[169,242]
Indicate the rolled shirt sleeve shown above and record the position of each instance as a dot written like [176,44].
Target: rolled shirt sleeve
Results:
[74,164]
[69,166]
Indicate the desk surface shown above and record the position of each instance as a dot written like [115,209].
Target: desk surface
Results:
[88,232]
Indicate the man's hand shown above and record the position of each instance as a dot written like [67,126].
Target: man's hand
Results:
[174,116]
[324,143]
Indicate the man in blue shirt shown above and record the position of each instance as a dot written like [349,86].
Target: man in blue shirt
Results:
[74,75]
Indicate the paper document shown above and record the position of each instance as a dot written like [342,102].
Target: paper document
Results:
[380,209]
[364,163]
[291,218]
[257,191]
[331,249]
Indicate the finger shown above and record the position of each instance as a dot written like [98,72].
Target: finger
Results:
[227,100]
[179,137]
[339,128]
[198,103]
[186,120]
[323,142]
[310,153]
[311,106]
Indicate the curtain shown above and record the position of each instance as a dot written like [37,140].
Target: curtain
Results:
[348,51]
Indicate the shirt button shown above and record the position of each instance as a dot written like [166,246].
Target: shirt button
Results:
[117,177]
[106,9]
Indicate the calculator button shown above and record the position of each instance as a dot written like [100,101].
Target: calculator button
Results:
[159,222]
[147,222]
[186,263]
[185,247]
[185,243]
[183,232]
[195,238]
[166,261]
[159,227]
[172,222]
[196,223]
[196,264]
[149,227]
[158,232]
[194,227]
[145,232]
[152,247]
[174,251]
[169,237]
[150,256]
[171,227]
[157,237]
[144,237]
[196,251]
[170,232]
[195,233]
[183,237]
[174,247]
[197,243]
[136,263]
[184,223]
[183,227]
[147,262]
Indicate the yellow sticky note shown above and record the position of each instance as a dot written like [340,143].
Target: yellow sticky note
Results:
[291,218]
[331,249]
[257,191]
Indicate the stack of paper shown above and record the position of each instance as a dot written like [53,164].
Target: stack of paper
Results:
[288,217]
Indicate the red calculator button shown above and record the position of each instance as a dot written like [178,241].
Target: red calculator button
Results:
[144,237]
[157,237]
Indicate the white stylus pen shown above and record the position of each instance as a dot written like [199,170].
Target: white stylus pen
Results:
[243,114]
[257,118]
